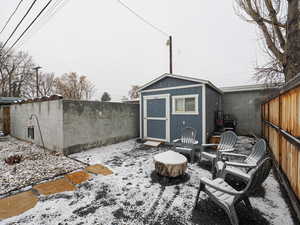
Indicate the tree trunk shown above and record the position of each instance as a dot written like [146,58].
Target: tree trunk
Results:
[293,40]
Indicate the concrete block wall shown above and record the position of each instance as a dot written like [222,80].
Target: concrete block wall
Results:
[71,126]
[50,117]
[87,124]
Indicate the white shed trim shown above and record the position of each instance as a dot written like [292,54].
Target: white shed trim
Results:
[171,88]
[182,78]
[174,97]
[204,114]
[167,118]
[141,118]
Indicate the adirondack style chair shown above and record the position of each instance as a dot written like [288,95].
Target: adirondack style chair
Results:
[186,144]
[227,142]
[241,170]
[227,197]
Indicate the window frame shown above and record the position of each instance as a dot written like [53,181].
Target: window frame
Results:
[175,97]
[30,132]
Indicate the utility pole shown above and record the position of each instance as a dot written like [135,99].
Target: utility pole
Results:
[170,54]
[9,81]
[37,79]
[9,85]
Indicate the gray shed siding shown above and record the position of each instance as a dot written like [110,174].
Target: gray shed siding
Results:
[170,82]
[245,107]
[178,122]
[213,103]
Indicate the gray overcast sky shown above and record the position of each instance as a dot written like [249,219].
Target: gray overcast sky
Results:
[103,40]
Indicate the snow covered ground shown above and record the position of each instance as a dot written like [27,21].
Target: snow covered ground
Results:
[133,195]
[35,166]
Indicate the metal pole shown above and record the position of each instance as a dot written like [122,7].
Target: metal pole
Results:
[170,54]
[37,79]
[9,85]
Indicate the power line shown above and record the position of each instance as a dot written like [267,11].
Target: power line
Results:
[28,10]
[32,22]
[13,13]
[55,7]
[143,19]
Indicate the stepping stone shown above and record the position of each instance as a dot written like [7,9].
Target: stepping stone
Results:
[53,187]
[78,177]
[17,204]
[99,169]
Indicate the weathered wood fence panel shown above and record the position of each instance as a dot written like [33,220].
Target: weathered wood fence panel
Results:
[281,128]
[6,120]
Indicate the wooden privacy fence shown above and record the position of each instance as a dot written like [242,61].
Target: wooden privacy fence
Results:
[281,128]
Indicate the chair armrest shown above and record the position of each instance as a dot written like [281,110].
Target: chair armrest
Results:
[179,140]
[233,154]
[176,141]
[243,165]
[210,183]
[226,150]
[208,145]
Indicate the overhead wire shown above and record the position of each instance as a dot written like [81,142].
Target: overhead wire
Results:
[42,21]
[11,16]
[10,36]
[32,22]
[143,19]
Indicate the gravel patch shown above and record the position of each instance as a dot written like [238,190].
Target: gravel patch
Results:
[134,195]
[36,165]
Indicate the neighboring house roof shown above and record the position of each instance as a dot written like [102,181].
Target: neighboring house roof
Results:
[133,101]
[253,87]
[8,100]
[181,78]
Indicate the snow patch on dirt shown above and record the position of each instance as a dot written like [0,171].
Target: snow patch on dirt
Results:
[35,166]
[134,195]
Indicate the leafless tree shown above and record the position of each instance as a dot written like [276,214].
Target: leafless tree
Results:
[46,84]
[278,22]
[15,73]
[73,86]
[133,94]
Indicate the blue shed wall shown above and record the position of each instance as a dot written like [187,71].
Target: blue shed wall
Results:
[213,103]
[170,82]
[178,122]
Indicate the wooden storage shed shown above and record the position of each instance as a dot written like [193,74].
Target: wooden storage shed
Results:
[170,103]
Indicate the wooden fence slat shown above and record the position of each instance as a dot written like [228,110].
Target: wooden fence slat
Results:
[293,112]
[284,154]
[289,163]
[298,178]
[293,168]
[297,133]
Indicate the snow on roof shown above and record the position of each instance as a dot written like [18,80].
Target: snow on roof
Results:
[9,100]
[252,87]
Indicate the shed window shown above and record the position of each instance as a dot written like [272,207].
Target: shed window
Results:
[185,104]
[31,132]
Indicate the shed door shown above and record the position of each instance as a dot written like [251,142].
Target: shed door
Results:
[6,120]
[157,117]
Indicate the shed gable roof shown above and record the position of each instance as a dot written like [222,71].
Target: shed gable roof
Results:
[185,78]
